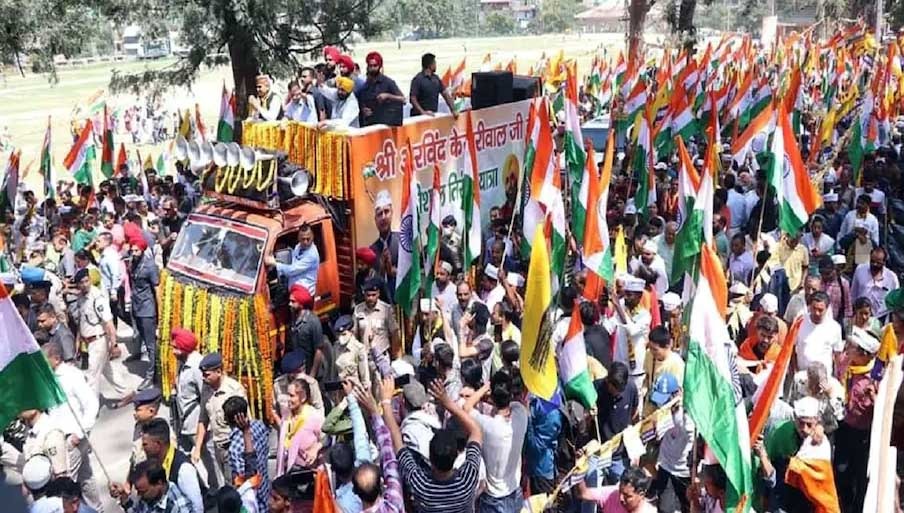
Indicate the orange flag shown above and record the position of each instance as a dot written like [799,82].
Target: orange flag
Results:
[324,501]
[773,383]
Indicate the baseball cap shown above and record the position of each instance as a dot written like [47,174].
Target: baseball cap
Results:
[663,389]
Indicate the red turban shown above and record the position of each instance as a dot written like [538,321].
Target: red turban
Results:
[332,52]
[366,255]
[346,60]
[376,57]
[131,231]
[184,340]
[300,295]
[138,242]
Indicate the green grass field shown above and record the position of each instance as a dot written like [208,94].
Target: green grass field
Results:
[25,102]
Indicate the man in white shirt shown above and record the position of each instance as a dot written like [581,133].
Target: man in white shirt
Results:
[652,261]
[267,105]
[819,338]
[443,288]
[345,104]
[494,291]
[75,421]
[665,243]
[876,196]
[863,214]
[874,281]
[301,105]
[631,326]
[740,259]
[110,270]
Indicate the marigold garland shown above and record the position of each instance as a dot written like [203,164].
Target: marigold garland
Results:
[238,327]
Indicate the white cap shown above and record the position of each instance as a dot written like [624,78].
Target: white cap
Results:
[769,303]
[620,156]
[671,301]
[514,279]
[698,162]
[633,284]
[131,198]
[661,166]
[830,196]
[401,368]
[806,407]
[383,199]
[651,246]
[37,472]
[48,505]
[864,340]
[629,207]
[446,266]
[839,259]
[738,288]
[426,305]
[859,223]
[491,271]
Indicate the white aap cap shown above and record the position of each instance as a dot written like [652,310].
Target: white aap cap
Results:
[806,407]
[36,472]
[830,196]
[738,288]
[864,340]
[491,271]
[671,301]
[633,284]
[651,246]
[514,279]
[383,199]
[839,259]
[769,303]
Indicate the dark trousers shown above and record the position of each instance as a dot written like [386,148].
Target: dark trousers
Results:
[147,329]
[671,490]
[851,458]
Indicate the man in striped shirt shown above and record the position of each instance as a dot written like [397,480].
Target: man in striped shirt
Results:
[435,486]
[376,497]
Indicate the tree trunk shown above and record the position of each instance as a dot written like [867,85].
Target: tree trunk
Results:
[686,23]
[245,68]
[637,13]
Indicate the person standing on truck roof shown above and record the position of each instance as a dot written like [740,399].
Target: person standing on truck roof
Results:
[267,105]
[387,244]
[375,325]
[426,88]
[380,99]
[305,262]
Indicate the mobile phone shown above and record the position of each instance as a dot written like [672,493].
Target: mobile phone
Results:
[332,386]
[402,380]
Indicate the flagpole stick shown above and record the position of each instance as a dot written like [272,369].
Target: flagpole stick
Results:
[84,432]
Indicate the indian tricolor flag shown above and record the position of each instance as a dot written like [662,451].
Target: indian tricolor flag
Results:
[690,216]
[810,471]
[470,198]
[26,381]
[106,156]
[597,254]
[537,158]
[683,121]
[408,283]
[47,163]
[575,156]
[760,128]
[642,162]
[11,180]
[226,124]
[709,394]
[573,363]
[636,100]
[80,158]
[798,198]
[433,229]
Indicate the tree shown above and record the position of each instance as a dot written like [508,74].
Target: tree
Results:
[38,30]
[254,36]
[499,24]
[557,15]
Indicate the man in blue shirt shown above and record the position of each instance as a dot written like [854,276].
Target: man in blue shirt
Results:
[305,262]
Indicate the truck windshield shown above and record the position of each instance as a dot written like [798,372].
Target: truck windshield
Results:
[219,252]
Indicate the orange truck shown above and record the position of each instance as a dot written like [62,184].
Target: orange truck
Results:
[256,197]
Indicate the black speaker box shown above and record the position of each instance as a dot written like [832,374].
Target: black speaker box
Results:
[490,88]
[525,87]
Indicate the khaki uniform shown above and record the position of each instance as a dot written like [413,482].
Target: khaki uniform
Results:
[93,313]
[47,437]
[218,430]
[375,326]
[351,360]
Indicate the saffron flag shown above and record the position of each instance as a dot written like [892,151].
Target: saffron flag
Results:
[770,388]
[122,159]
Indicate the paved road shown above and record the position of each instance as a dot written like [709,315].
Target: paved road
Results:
[112,434]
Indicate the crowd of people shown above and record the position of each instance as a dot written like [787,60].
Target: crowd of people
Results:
[430,414]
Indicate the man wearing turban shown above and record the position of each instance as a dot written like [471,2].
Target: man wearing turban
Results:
[144,278]
[380,99]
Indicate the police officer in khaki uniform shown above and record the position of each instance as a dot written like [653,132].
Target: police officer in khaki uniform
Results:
[218,387]
[46,436]
[375,325]
[351,355]
[147,408]
[97,333]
